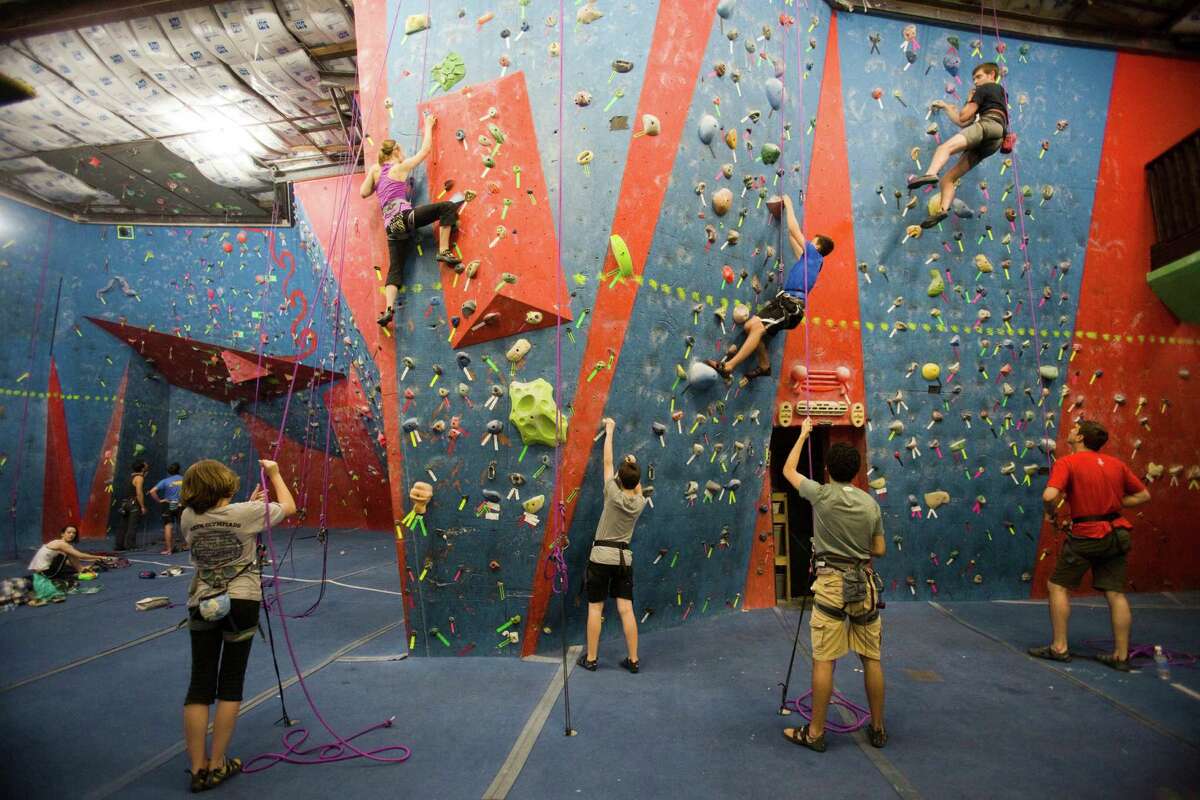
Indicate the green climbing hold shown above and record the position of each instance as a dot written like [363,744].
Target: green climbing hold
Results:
[770,153]
[621,254]
[449,71]
[936,284]
[533,412]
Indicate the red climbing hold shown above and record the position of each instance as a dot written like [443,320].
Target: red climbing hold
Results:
[227,247]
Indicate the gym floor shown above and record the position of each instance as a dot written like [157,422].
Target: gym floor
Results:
[90,702]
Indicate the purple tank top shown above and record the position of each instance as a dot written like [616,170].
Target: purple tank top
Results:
[393,196]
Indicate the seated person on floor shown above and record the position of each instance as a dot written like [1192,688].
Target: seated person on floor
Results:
[984,123]
[58,560]
[786,310]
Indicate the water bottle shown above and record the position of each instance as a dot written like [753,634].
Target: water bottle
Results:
[1161,663]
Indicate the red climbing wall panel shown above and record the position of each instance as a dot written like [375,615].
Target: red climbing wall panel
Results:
[830,338]
[528,247]
[1124,330]
[94,523]
[60,499]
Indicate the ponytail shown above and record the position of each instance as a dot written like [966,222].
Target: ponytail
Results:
[386,149]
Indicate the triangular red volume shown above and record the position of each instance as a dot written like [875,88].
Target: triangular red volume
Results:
[60,498]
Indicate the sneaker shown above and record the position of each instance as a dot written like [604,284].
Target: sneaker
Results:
[197,781]
[448,257]
[878,738]
[590,666]
[632,666]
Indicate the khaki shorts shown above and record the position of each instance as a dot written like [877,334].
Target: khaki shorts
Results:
[833,638]
[984,137]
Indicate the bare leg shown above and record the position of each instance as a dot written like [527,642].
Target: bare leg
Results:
[948,185]
[223,724]
[955,144]
[443,238]
[754,333]
[629,625]
[822,688]
[873,682]
[391,292]
[764,360]
[195,731]
[595,619]
[168,530]
[1060,612]
[1122,621]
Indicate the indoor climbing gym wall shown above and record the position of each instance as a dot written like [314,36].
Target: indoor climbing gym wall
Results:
[175,344]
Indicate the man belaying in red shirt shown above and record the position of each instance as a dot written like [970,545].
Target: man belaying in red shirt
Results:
[1097,487]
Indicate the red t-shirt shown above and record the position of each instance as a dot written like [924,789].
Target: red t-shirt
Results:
[1094,484]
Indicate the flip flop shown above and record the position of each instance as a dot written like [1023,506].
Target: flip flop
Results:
[800,736]
[1049,654]
[1109,660]
[917,181]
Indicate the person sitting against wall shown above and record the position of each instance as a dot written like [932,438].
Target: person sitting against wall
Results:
[169,486]
[133,507]
[389,180]
[59,560]
[223,604]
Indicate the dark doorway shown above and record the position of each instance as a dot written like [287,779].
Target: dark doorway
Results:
[793,514]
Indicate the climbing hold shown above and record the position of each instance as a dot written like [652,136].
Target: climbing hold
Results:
[1048,372]
[533,317]
[534,504]
[741,313]
[930,371]
[415,23]
[589,13]
[731,140]
[769,153]
[937,499]
[775,206]
[420,493]
[621,255]
[520,348]
[774,90]
[700,376]
[227,247]
[651,125]
[449,71]
[707,128]
[725,9]
[934,204]
[722,200]
[936,284]
[534,412]
[583,99]
[622,66]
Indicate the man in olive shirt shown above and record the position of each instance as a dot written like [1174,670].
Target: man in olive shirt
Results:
[847,532]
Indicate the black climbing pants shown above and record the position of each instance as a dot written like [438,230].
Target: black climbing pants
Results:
[445,212]
[218,666]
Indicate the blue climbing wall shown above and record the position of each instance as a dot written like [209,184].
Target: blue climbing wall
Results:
[68,272]
[983,543]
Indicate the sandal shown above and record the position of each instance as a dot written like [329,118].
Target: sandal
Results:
[216,776]
[719,366]
[197,781]
[632,666]
[877,738]
[800,736]
[447,257]
[1109,660]
[933,220]
[1049,654]
[590,666]
[386,317]
[917,181]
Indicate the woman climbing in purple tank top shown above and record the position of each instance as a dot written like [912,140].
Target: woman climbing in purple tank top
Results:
[389,179]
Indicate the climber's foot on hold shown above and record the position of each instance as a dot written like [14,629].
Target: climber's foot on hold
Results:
[933,220]
[719,366]
[448,257]
[917,181]
[386,317]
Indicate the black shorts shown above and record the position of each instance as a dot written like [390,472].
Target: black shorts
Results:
[609,580]
[781,313]
[1106,558]
[171,515]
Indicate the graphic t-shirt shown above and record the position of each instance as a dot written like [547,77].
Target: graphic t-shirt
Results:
[169,487]
[803,276]
[222,542]
[620,514]
[1094,484]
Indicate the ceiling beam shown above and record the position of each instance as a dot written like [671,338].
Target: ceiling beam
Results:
[332,51]
[967,15]
[22,19]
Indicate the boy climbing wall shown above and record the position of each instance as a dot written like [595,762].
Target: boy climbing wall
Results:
[786,310]
[984,123]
